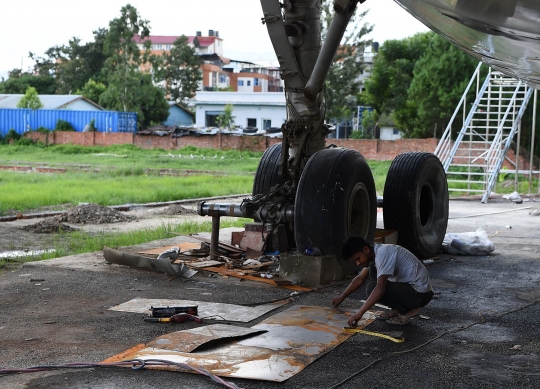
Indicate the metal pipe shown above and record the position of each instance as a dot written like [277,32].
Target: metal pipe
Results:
[205,209]
[214,238]
[532,143]
[324,60]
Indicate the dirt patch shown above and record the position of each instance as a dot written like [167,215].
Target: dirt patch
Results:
[48,226]
[93,214]
[177,209]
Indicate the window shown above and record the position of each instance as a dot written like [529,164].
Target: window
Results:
[267,123]
[222,78]
[240,82]
[167,47]
[211,118]
[248,82]
[252,122]
[256,82]
[158,47]
[395,131]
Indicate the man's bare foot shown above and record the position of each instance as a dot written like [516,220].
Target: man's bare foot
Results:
[388,314]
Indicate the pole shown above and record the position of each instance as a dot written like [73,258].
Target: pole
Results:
[532,144]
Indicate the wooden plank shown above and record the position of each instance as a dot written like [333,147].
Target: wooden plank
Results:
[270,281]
[199,265]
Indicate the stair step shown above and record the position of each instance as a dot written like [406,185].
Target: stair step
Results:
[466,190]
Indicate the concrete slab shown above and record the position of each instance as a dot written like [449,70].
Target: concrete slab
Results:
[310,270]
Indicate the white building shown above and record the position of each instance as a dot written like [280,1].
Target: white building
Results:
[260,110]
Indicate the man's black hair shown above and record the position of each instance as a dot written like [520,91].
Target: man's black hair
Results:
[352,245]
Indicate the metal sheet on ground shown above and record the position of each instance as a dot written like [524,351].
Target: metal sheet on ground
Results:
[218,311]
[296,337]
[189,340]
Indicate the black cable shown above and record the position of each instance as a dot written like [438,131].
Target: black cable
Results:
[430,341]
[136,364]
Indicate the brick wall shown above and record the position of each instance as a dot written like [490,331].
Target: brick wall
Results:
[372,149]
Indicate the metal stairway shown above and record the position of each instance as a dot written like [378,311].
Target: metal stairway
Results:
[472,162]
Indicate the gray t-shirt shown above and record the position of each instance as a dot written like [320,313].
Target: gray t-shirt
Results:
[401,266]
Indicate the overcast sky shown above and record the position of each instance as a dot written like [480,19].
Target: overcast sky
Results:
[36,25]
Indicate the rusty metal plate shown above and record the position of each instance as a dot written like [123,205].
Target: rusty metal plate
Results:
[217,311]
[295,338]
[190,340]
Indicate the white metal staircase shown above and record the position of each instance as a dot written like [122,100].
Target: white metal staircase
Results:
[472,162]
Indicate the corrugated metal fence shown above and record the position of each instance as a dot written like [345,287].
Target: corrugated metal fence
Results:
[22,120]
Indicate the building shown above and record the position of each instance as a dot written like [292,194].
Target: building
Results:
[220,73]
[257,110]
[65,102]
[178,116]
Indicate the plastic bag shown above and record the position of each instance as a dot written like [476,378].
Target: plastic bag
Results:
[468,243]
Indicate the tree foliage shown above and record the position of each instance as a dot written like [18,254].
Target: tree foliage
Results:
[72,65]
[92,90]
[226,119]
[128,88]
[342,84]
[18,82]
[30,99]
[179,69]
[420,81]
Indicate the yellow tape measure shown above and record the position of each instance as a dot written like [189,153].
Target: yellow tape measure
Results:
[356,330]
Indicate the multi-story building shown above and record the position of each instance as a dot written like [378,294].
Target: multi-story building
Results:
[220,73]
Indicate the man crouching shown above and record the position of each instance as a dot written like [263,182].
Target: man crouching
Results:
[395,276]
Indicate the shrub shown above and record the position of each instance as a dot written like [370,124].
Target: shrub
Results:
[12,135]
[62,125]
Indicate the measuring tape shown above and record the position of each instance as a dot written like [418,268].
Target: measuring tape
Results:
[356,330]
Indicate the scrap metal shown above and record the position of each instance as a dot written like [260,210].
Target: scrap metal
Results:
[295,338]
[218,311]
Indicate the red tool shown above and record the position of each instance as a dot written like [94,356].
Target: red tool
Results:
[178,318]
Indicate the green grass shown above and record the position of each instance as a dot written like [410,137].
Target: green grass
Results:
[24,192]
[79,242]
[131,158]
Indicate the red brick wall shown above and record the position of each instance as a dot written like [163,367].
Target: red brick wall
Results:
[385,150]
[112,138]
[372,149]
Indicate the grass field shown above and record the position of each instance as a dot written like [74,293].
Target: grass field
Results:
[119,175]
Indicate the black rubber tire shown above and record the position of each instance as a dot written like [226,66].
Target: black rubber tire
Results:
[267,171]
[335,199]
[415,202]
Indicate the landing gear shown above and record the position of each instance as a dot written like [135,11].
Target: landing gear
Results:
[415,202]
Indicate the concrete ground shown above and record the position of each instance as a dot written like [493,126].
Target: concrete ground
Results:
[482,330]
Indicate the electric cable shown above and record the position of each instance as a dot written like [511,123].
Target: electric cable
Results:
[136,364]
[430,341]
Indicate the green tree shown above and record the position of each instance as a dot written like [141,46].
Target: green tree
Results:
[124,56]
[419,80]
[179,69]
[128,88]
[441,75]
[342,85]
[226,119]
[92,90]
[146,99]
[392,73]
[72,65]
[30,99]
[18,82]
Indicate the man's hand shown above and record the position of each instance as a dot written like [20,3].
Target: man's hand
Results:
[336,301]
[353,320]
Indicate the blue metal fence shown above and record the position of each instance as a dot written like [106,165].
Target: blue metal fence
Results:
[22,120]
